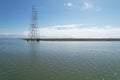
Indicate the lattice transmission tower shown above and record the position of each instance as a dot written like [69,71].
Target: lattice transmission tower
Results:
[34,29]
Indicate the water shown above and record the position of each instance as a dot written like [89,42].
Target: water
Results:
[22,60]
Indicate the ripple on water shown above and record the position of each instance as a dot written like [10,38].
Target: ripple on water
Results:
[61,61]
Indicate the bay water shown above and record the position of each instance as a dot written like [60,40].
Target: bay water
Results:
[59,60]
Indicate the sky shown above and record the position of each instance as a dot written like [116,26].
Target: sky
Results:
[62,18]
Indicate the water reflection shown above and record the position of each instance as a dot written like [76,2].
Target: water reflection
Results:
[33,52]
[33,48]
[32,61]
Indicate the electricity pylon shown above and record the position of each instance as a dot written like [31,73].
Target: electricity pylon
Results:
[34,29]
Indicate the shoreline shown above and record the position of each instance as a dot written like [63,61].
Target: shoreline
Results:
[72,39]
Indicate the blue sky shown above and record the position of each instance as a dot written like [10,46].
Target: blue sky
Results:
[60,18]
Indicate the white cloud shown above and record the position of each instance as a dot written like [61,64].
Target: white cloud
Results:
[71,26]
[88,5]
[68,4]
[81,32]
[85,5]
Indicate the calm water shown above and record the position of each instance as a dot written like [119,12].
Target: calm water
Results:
[22,60]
